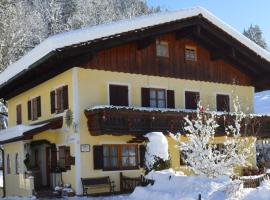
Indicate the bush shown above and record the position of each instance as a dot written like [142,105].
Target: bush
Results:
[158,165]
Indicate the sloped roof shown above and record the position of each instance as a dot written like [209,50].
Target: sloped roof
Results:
[106,30]
[21,132]
[17,132]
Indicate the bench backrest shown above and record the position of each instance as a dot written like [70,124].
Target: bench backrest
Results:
[96,181]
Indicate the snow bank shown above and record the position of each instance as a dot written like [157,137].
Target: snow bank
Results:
[170,185]
[156,147]
[260,193]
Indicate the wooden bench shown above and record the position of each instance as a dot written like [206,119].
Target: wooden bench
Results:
[95,183]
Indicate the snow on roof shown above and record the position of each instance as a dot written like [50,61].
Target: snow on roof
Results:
[17,131]
[262,102]
[105,30]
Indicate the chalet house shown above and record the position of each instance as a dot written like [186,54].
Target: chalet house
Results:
[80,102]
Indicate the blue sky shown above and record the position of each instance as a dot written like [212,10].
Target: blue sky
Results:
[238,13]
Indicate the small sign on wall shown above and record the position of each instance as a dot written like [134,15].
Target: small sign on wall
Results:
[85,147]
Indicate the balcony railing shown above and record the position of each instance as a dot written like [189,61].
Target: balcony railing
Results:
[138,121]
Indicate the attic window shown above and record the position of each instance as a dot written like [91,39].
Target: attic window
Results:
[190,53]
[162,48]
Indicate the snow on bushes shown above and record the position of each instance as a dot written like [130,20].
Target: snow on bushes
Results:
[203,155]
[157,154]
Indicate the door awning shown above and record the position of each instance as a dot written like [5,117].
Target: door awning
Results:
[23,132]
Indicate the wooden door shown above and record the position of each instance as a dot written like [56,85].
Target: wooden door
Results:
[48,165]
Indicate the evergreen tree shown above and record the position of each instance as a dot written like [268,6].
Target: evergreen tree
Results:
[25,23]
[255,34]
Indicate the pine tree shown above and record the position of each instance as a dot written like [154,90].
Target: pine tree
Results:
[255,34]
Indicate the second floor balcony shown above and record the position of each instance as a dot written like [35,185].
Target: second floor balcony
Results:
[136,121]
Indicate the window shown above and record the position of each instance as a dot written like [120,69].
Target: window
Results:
[34,108]
[191,100]
[162,49]
[17,164]
[157,98]
[118,95]
[19,113]
[183,157]
[59,99]
[64,158]
[223,102]
[190,53]
[8,164]
[117,156]
[120,156]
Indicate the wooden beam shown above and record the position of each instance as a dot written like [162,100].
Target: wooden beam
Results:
[145,42]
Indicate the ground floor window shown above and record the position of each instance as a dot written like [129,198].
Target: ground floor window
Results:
[8,164]
[116,156]
[17,163]
[120,156]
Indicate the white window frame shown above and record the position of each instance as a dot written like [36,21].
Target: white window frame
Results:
[165,43]
[191,47]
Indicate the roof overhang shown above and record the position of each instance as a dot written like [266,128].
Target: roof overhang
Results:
[63,50]
[26,132]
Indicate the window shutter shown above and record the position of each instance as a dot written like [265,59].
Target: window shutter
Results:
[53,158]
[118,95]
[98,156]
[191,99]
[223,102]
[52,101]
[67,157]
[29,110]
[142,155]
[19,113]
[145,93]
[38,106]
[170,99]
[65,97]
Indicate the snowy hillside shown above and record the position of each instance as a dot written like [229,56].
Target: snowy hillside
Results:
[262,102]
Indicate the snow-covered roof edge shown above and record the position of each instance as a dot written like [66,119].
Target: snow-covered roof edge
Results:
[105,30]
[162,110]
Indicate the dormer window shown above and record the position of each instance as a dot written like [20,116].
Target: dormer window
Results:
[190,53]
[162,48]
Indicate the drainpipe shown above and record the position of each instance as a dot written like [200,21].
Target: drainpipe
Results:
[4,177]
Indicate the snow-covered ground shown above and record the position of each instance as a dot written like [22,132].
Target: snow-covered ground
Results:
[262,102]
[171,185]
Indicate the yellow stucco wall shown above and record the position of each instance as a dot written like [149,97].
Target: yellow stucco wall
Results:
[92,90]
[17,184]
[59,137]
[42,90]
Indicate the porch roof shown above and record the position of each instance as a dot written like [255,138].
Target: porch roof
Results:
[22,132]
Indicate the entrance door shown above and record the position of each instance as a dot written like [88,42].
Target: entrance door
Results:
[48,165]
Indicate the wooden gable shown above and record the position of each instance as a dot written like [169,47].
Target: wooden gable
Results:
[131,59]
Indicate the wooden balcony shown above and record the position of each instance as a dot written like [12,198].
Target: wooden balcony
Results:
[138,121]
